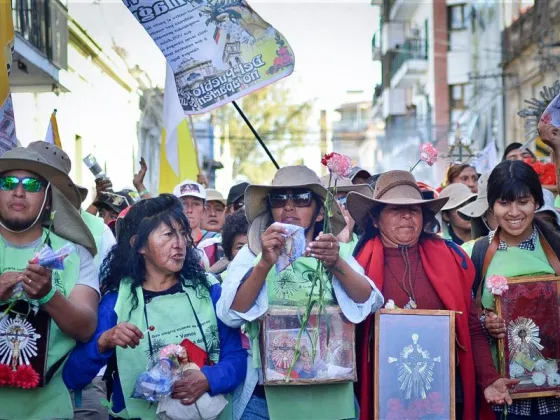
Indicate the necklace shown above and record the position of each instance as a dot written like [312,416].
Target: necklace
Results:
[403,284]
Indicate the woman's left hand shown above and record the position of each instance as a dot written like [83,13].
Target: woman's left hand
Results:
[498,392]
[325,248]
[191,387]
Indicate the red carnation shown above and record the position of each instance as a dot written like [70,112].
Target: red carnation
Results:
[6,375]
[25,377]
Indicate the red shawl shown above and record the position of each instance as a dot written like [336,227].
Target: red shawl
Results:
[451,273]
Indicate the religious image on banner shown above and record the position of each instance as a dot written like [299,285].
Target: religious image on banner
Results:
[219,50]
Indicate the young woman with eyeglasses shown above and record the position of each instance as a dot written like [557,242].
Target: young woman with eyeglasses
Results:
[296,196]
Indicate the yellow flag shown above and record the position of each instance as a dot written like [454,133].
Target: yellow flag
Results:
[52,135]
[7,123]
[178,154]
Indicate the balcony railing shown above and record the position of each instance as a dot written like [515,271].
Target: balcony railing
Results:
[412,49]
[44,24]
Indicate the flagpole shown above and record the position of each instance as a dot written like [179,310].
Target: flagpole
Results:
[255,134]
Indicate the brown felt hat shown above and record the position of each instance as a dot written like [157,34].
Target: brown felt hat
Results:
[256,196]
[395,188]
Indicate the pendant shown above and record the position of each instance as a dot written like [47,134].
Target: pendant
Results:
[411,304]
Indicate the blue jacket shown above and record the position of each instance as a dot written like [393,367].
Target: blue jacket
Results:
[85,361]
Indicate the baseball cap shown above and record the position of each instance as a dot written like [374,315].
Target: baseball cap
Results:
[189,188]
[215,195]
[116,201]
[236,192]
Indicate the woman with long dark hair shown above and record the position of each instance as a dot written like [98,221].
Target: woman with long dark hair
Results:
[153,281]
[464,174]
[525,243]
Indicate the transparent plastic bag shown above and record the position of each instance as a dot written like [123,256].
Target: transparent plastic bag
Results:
[157,381]
[52,260]
[294,247]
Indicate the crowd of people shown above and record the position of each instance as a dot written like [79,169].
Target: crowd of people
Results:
[147,271]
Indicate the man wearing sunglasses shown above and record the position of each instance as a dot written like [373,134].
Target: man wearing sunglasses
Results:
[53,308]
[236,198]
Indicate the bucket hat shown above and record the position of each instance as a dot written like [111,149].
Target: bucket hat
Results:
[393,187]
[344,185]
[215,195]
[40,160]
[256,196]
[67,223]
[478,207]
[458,194]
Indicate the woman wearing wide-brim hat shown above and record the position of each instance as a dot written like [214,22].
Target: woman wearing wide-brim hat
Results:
[417,269]
[66,301]
[295,196]
[454,227]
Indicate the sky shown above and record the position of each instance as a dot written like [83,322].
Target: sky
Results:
[331,41]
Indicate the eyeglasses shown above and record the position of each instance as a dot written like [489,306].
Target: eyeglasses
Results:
[300,198]
[238,205]
[29,184]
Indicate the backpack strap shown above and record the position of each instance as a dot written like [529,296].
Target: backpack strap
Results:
[477,256]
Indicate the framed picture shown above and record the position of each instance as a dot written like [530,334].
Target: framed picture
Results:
[531,348]
[414,373]
[335,360]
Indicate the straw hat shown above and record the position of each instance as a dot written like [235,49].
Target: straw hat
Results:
[256,199]
[344,185]
[393,187]
[478,208]
[68,223]
[458,195]
[215,195]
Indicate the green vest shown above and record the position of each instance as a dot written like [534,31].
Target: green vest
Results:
[321,402]
[97,228]
[53,400]
[174,320]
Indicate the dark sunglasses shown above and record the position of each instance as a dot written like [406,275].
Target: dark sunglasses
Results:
[29,184]
[238,205]
[300,198]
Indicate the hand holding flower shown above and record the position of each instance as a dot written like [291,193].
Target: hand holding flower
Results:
[325,248]
[496,326]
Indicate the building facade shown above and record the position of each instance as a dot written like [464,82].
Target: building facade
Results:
[440,74]
[58,65]
[531,60]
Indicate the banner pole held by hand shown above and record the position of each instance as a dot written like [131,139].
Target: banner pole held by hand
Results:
[255,134]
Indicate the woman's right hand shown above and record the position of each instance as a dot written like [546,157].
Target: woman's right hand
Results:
[272,243]
[495,326]
[123,335]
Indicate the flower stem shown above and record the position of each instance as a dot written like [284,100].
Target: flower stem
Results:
[415,165]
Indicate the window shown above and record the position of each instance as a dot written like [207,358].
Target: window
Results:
[457,96]
[456,17]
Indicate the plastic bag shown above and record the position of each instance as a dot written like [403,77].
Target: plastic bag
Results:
[156,383]
[52,260]
[205,408]
[551,115]
[293,248]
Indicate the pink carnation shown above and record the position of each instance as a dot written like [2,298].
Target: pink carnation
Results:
[497,285]
[173,351]
[428,153]
[338,164]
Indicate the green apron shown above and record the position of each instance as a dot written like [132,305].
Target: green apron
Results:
[512,263]
[97,228]
[53,400]
[322,402]
[174,320]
